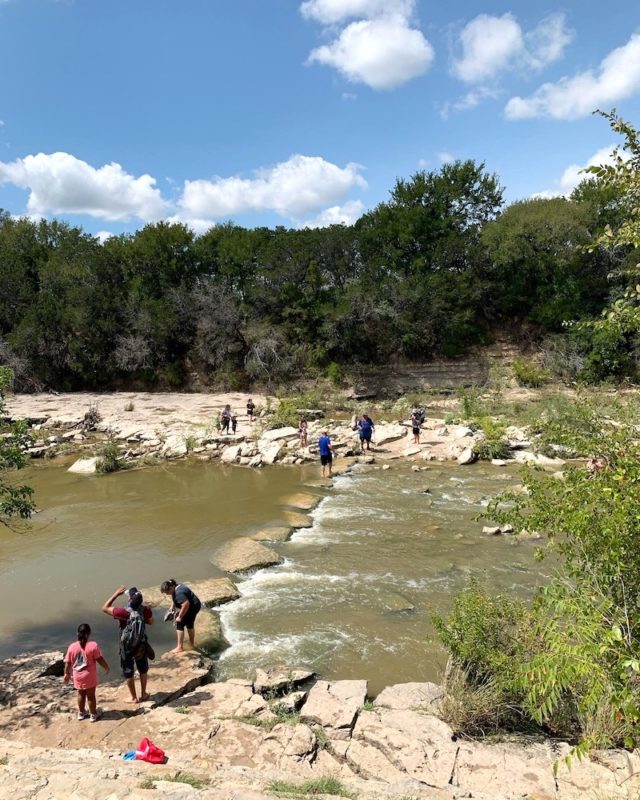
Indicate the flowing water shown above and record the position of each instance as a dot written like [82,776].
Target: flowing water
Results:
[353,599]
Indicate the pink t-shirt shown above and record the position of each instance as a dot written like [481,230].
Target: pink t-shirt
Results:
[83,663]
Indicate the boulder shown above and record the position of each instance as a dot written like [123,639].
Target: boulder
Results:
[296,520]
[491,530]
[277,434]
[243,555]
[334,706]
[279,679]
[462,431]
[174,446]
[498,462]
[411,451]
[467,456]
[276,534]
[209,636]
[84,466]
[256,461]
[231,454]
[386,433]
[305,502]
[269,451]
[410,697]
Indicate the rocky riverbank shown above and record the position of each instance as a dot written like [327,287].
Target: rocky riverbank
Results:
[236,738]
[150,427]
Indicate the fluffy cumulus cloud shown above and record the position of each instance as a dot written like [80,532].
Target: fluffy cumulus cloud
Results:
[617,78]
[489,45]
[297,187]
[329,12]
[574,173]
[59,183]
[382,48]
[337,215]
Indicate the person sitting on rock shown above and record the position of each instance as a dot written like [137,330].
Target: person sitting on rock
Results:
[137,656]
[80,661]
[185,607]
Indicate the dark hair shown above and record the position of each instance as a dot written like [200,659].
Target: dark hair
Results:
[84,632]
[167,586]
[135,601]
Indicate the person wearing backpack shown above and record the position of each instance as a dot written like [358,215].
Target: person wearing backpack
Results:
[185,608]
[134,647]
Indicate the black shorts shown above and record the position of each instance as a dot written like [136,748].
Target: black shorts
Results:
[416,431]
[324,460]
[366,438]
[188,620]
[129,662]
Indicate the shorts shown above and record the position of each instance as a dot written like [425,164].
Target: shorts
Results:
[324,460]
[188,620]
[129,663]
[365,437]
[416,431]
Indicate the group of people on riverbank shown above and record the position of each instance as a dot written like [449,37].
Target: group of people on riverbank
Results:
[84,655]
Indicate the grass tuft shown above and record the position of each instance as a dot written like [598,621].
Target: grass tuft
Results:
[312,788]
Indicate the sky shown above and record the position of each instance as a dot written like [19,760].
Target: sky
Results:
[297,112]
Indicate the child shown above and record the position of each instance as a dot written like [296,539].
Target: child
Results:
[302,431]
[81,658]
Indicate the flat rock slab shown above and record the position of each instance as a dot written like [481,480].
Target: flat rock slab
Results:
[389,433]
[335,706]
[211,591]
[305,502]
[281,533]
[410,697]
[243,555]
[278,434]
[84,466]
[297,520]
[278,679]
[419,745]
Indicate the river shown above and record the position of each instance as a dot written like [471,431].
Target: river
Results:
[354,597]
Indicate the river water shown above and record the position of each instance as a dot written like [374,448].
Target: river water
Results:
[353,599]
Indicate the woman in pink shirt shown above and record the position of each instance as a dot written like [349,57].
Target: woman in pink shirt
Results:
[81,659]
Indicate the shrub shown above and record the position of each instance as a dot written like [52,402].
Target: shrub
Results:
[527,373]
[335,373]
[109,458]
[284,415]
[494,444]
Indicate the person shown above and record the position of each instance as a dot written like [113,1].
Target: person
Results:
[251,408]
[80,661]
[302,430]
[136,657]
[185,607]
[227,418]
[326,452]
[365,431]
[416,424]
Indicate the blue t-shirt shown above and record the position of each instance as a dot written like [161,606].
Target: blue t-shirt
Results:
[366,428]
[324,443]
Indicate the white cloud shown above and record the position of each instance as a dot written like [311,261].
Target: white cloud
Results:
[102,236]
[381,53]
[445,157]
[491,44]
[59,183]
[337,215]
[617,78]
[1,123]
[293,189]
[329,12]
[423,163]
[573,174]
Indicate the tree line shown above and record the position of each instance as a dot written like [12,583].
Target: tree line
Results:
[439,267]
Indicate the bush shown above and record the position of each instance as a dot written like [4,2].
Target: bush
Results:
[527,373]
[109,458]
[335,373]
[494,444]
[285,414]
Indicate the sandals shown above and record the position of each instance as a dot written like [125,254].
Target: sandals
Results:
[82,715]
[95,717]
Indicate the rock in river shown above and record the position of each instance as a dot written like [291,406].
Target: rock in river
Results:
[84,466]
[242,555]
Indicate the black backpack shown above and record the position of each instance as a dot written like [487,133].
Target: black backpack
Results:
[133,635]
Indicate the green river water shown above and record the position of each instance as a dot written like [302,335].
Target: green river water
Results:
[377,542]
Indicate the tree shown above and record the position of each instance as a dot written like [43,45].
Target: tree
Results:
[15,500]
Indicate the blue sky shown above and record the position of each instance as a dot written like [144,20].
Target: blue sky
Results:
[297,112]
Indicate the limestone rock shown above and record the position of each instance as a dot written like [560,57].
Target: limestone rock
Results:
[277,434]
[277,679]
[305,502]
[243,554]
[467,456]
[410,697]
[209,636]
[335,706]
[296,520]
[275,534]
[462,431]
[269,451]
[84,466]
[491,530]
[210,591]
[231,454]
[411,451]
[386,433]
[498,462]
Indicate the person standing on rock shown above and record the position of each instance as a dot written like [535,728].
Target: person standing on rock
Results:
[365,431]
[80,661]
[251,409]
[134,649]
[186,606]
[303,428]
[416,423]
[326,450]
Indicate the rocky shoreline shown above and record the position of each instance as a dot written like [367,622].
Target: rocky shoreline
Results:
[151,427]
[233,739]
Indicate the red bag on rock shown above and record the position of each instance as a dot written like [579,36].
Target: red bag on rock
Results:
[148,751]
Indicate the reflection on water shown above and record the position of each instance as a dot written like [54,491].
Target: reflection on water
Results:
[354,597]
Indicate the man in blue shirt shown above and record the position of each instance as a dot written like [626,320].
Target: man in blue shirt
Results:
[326,452]
[365,431]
